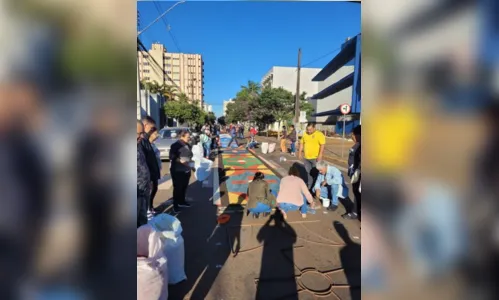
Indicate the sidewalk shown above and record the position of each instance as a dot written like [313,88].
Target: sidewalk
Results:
[262,258]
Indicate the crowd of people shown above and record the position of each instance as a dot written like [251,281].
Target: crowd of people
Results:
[323,181]
[181,164]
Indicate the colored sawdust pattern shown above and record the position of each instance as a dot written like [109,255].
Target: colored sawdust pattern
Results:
[240,167]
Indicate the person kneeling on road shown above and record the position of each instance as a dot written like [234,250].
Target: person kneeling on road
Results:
[260,197]
[294,194]
[328,184]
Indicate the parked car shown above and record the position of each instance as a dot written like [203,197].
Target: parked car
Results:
[168,136]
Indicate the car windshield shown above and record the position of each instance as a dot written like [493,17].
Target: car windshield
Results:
[170,133]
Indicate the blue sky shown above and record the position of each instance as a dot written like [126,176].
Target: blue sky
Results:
[241,41]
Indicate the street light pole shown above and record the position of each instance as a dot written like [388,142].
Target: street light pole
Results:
[161,16]
[297,98]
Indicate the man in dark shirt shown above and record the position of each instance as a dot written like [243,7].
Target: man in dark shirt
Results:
[152,162]
[180,167]
[354,163]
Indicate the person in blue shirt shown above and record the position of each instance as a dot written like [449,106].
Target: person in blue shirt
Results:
[328,184]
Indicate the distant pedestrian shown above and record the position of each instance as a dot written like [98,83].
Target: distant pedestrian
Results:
[284,137]
[233,136]
[241,131]
[143,179]
[354,167]
[312,144]
[292,139]
[152,162]
[181,167]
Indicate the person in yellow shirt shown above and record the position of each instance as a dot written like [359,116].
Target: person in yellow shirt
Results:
[312,146]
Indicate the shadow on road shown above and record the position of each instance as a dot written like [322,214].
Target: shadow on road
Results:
[277,274]
[217,250]
[207,245]
[350,260]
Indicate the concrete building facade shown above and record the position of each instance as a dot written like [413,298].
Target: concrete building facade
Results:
[332,102]
[207,108]
[286,77]
[181,70]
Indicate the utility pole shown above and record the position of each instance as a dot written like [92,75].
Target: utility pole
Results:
[297,98]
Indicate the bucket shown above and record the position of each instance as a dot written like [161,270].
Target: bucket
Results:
[325,202]
[265,148]
[271,147]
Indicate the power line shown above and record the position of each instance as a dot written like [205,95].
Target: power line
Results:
[168,27]
[321,57]
[143,48]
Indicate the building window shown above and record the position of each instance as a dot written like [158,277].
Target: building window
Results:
[168,72]
[175,58]
[145,71]
[168,65]
[146,63]
[147,78]
[146,56]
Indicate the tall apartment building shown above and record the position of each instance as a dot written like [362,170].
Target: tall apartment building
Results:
[181,70]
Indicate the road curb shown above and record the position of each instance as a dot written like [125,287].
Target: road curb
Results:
[278,170]
[216,180]
[282,171]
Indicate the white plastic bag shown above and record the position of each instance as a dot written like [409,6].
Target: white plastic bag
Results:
[197,152]
[203,169]
[171,236]
[152,270]
[271,147]
[265,147]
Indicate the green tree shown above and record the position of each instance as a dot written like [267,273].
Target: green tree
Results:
[304,104]
[237,111]
[168,91]
[275,105]
[176,110]
[210,117]
[182,97]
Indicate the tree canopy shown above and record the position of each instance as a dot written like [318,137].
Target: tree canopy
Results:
[264,106]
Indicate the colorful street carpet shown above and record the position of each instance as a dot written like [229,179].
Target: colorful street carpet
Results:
[240,167]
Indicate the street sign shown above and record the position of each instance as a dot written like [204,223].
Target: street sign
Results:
[345,118]
[345,109]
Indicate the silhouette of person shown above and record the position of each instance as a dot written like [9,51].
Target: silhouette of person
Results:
[350,260]
[277,274]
